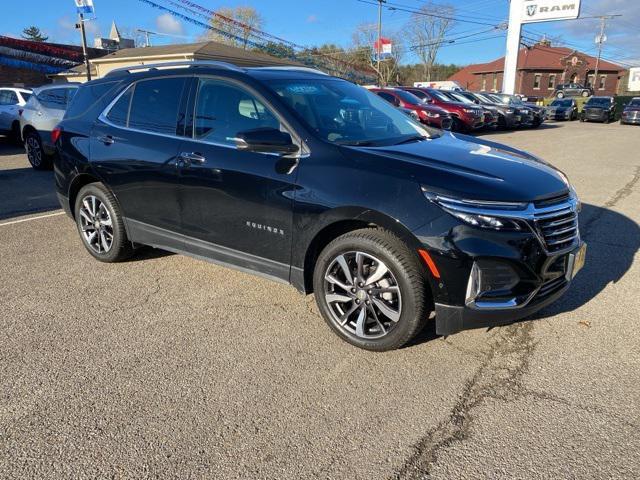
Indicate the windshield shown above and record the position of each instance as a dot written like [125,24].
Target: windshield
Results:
[440,95]
[460,97]
[408,97]
[486,98]
[343,113]
[561,103]
[635,102]
[508,99]
[598,102]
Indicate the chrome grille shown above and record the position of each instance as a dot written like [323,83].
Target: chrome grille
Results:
[557,225]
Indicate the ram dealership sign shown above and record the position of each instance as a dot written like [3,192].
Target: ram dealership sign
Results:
[547,10]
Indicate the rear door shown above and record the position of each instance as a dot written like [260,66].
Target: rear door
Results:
[237,206]
[133,148]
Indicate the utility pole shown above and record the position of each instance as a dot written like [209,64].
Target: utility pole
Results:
[600,39]
[84,46]
[379,44]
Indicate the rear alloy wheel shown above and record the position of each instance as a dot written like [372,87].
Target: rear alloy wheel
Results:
[35,153]
[371,289]
[560,95]
[100,224]
[585,94]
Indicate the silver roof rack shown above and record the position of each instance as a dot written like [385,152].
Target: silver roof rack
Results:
[292,68]
[179,64]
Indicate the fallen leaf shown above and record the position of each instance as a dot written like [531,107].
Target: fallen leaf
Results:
[586,323]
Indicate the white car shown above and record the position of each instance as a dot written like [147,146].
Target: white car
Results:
[11,100]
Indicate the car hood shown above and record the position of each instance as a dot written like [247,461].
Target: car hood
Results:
[558,108]
[597,107]
[467,167]
[632,109]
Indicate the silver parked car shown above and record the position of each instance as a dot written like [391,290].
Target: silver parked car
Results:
[11,101]
[40,115]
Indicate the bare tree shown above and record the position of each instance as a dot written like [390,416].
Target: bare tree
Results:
[427,29]
[236,32]
[363,50]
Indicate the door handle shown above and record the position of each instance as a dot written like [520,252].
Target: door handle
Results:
[107,139]
[192,157]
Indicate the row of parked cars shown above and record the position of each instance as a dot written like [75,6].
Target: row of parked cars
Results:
[470,111]
[463,111]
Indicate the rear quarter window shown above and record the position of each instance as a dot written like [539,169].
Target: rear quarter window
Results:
[87,96]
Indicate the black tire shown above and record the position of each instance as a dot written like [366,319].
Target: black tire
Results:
[406,270]
[38,159]
[574,116]
[121,248]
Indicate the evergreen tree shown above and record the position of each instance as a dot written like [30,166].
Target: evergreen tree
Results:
[34,33]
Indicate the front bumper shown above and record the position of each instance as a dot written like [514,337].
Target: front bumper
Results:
[451,319]
[559,115]
[633,119]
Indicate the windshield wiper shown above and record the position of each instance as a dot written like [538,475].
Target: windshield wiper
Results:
[356,143]
[415,138]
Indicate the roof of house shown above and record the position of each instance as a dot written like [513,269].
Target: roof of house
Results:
[537,57]
[208,50]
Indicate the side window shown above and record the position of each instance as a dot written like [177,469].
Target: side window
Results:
[119,113]
[155,105]
[387,96]
[8,97]
[222,110]
[55,98]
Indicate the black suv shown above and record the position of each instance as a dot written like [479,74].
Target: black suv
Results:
[572,90]
[312,180]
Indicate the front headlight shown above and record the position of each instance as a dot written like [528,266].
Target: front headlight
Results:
[510,111]
[433,115]
[482,214]
[469,110]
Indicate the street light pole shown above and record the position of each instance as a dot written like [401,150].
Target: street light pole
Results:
[378,45]
[600,40]
[84,47]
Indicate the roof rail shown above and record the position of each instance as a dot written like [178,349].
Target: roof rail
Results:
[183,63]
[292,68]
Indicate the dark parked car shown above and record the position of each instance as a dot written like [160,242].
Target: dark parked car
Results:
[572,90]
[531,115]
[508,117]
[599,109]
[466,118]
[562,109]
[427,114]
[490,113]
[311,180]
[631,112]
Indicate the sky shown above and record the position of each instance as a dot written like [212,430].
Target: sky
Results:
[313,22]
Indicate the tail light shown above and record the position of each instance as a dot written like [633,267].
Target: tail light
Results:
[55,135]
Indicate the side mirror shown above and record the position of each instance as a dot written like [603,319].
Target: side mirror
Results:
[266,140]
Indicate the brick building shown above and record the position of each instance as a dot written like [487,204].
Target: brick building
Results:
[542,67]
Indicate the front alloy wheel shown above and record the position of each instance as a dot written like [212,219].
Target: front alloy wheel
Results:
[363,295]
[371,289]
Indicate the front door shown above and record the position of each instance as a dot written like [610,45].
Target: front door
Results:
[237,206]
[134,147]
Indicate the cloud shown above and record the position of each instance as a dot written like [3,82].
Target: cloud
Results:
[623,36]
[167,23]
[313,18]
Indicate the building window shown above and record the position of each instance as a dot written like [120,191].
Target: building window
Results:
[495,82]
[552,81]
[603,81]
[590,79]
[484,81]
[537,79]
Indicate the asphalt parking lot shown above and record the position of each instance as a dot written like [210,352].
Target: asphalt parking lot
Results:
[170,367]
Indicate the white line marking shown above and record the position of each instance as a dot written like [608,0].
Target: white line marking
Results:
[31,219]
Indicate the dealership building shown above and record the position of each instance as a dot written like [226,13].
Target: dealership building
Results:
[540,68]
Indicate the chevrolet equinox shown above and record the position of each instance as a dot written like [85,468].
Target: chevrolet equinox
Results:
[314,181]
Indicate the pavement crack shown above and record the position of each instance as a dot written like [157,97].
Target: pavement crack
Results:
[498,377]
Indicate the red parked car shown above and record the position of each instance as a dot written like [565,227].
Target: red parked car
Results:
[466,117]
[427,114]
